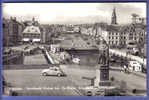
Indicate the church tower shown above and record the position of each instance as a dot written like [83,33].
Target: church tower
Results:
[114,18]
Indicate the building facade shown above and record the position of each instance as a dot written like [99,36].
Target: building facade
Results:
[118,35]
[113,35]
[12,30]
[122,35]
[31,34]
[43,35]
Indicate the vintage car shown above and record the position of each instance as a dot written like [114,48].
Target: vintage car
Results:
[53,71]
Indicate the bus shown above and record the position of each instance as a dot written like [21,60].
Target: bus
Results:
[132,48]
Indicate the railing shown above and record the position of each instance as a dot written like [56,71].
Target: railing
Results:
[49,57]
[10,56]
[128,56]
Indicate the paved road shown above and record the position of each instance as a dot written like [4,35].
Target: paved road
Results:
[83,42]
[33,79]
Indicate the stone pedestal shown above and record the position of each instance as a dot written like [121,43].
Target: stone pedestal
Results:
[102,76]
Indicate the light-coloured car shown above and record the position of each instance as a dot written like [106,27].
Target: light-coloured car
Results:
[53,71]
[134,66]
[76,60]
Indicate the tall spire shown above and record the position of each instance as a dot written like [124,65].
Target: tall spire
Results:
[114,18]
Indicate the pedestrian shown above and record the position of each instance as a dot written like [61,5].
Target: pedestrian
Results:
[124,68]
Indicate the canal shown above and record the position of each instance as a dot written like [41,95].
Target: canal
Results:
[38,58]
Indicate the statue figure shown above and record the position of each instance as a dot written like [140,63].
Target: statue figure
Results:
[103,53]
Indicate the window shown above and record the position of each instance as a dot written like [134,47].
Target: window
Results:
[33,35]
[131,43]
[111,42]
[135,38]
[116,33]
[112,37]
[25,35]
[4,25]
[109,37]
[142,34]
[116,42]
[130,38]
[28,30]
[116,37]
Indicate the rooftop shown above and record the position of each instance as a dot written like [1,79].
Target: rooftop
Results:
[32,29]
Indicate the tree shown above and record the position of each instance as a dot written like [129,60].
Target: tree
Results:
[134,15]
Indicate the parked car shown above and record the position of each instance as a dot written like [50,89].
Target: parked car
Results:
[76,60]
[134,66]
[53,71]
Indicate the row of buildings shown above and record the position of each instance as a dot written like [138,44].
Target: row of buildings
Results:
[15,32]
[118,35]
[12,31]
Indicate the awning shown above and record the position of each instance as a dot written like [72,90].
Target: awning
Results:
[36,40]
[26,39]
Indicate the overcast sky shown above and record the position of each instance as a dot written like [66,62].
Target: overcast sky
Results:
[73,13]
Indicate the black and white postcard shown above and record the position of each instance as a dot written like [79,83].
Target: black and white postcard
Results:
[74,49]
